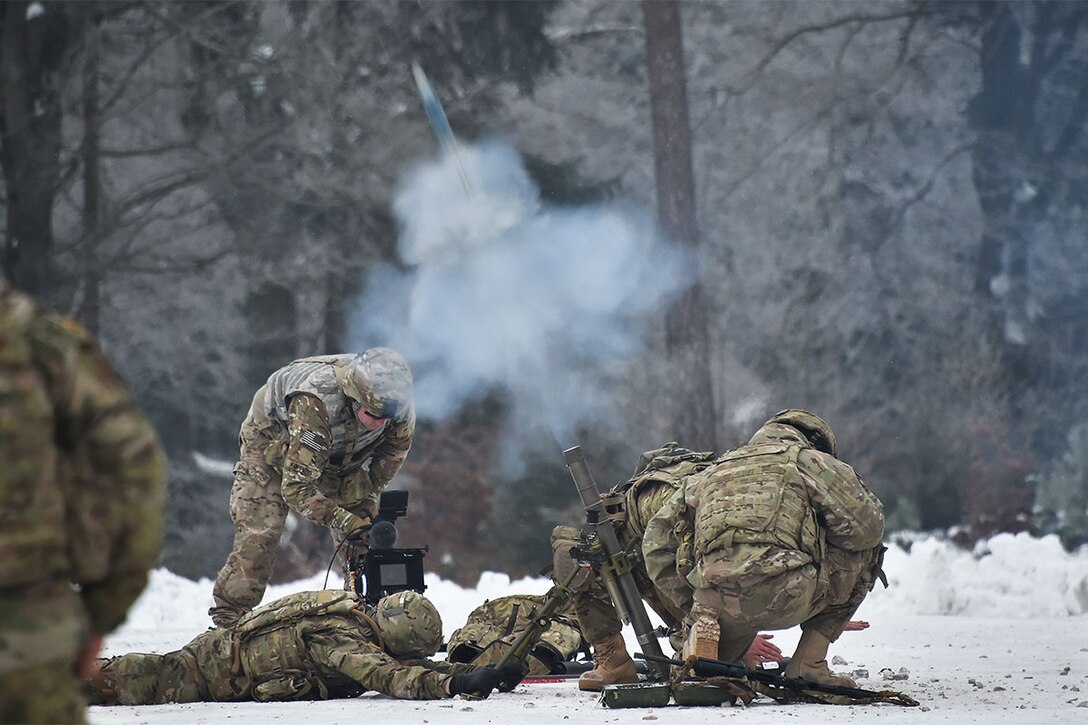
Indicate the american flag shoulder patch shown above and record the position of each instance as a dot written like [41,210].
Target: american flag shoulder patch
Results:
[313,441]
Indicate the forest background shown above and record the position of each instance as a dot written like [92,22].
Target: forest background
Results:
[872,210]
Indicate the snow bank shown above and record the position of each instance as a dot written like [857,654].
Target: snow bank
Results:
[1012,576]
[1009,576]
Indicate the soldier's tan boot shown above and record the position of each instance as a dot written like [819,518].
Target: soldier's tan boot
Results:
[809,661]
[96,688]
[611,665]
[703,636]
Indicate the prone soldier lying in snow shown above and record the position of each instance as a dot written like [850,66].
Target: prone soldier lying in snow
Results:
[494,627]
[305,646]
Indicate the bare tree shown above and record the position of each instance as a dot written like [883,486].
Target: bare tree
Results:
[1028,129]
[687,341]
[34,44]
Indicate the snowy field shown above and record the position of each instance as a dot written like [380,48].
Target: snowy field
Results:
[999,635]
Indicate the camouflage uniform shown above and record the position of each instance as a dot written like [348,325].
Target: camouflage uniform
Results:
[303,447]
[306,646]
[496,624]
[775,534]
[81,495]
[657,476]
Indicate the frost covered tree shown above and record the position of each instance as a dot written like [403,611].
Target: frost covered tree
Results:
[889,200]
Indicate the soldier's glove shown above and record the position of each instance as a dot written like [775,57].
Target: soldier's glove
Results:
[476,684]
[359,533]
[348,523]
[512,673]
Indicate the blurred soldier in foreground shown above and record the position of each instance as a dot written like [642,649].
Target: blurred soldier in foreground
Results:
[776,533]
[310,431]
[305,646]
[658,474]
[81,496]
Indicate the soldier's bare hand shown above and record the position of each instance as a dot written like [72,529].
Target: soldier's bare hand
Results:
[763,650]
[855,625]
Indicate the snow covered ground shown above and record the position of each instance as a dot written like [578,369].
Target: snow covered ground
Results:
[998,635]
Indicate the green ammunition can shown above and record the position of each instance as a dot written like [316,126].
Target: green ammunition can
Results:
[639,694]
[701,693]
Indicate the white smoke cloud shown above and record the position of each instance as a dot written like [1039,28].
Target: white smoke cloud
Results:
[506,292]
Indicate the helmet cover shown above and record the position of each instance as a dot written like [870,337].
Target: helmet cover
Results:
[380,380]
[410,625]
[813,427]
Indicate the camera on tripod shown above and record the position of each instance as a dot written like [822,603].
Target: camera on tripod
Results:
[385,569]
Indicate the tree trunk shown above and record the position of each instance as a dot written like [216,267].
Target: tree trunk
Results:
[1001,114]
[1025,122]
[90,309]
[692,400]
[31,50]
[336,301]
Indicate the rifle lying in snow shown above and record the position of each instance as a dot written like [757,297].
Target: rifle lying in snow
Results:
[708,668]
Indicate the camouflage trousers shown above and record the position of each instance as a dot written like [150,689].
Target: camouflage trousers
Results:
[44,693]
[259,513]
[149,679]
[821,599]
[597,615]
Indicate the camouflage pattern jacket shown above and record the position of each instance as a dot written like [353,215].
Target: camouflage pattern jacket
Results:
[772,505]
[311,645]
[81,488]
[310,433]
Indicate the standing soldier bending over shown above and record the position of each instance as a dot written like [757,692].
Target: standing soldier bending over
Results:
[81,493]
[305,646]
[776,533]
[311,429]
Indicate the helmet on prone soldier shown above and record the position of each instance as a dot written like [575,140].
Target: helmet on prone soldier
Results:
[380,380]
[812,426]
[410,625]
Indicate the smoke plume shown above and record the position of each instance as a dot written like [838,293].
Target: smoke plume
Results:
[504,292]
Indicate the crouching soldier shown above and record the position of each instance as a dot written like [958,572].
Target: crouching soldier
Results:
[776,533]
[306,646]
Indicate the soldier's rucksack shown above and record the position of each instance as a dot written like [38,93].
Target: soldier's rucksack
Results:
[493,627]
[670,465]
[285,612]
[267,642]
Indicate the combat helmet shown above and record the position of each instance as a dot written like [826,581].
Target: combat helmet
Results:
[381,382]
[813,427]
[411,626]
